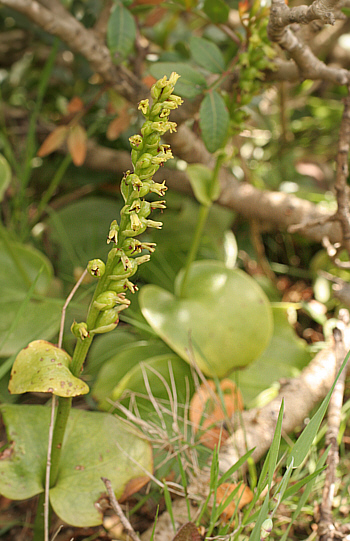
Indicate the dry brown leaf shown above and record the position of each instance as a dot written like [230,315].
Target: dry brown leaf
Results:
[76,142]
[206,410]
[155,16]
[149,80]
[53,141]
[75,105]
[119,124]
[244,496]
[134,485]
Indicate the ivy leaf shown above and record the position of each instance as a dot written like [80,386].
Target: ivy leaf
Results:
[121,31]
[214,121]
[190,84]
[217,11]
[207,54]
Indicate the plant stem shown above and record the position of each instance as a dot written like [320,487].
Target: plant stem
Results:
[63,411]
[202,217]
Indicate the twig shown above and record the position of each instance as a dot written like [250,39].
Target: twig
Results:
[69,298]
[326,526]
[47,473]
[119,512]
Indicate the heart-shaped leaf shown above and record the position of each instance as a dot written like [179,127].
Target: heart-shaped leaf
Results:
[96,445]
[44,368]
[225,318]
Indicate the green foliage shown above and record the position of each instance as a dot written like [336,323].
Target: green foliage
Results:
[111,449]
[52,374]
[213,325]
[214,121]
[121,31]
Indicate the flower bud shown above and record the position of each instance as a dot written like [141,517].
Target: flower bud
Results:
[96,267]
[120,272]
[106,321]
[108,300]
[147,128]
[79,330]
[120,286]
[266,529]
[113,232]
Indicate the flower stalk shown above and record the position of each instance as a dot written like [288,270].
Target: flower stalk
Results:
[147,154]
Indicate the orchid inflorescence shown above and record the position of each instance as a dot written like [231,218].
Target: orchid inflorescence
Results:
[147,155]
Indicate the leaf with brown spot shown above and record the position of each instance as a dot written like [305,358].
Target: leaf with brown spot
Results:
[53,141]
[187,532]
[76,142]
[149,80]
[119,124]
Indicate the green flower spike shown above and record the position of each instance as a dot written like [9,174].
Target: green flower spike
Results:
[148,154]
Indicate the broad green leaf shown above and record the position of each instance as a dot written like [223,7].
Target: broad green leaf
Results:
[225,318]
[96,445]
[303,444]
[5,176]
[20,265]
[121,31]
[213,121]
[117,366]
[44,368]
[205,188]
[217,11]
[207,54]
[271,366]
[191,83]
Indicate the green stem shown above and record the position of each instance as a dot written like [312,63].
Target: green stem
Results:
[62,415]
[39,528]
[202,217]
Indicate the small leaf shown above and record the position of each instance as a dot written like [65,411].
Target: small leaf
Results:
[53,141]
[76,142]
[187,532]
[214,121]
[44,368]
[119,124]
[121,31]
[5,176]
[191,82]
[217,11]
[207,54]
[206,189]
[75,105]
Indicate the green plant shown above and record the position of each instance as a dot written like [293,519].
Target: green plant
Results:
[44,367]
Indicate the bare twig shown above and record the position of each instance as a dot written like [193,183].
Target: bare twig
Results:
[119,512]
[69,298]
[326,527]
[279,31]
